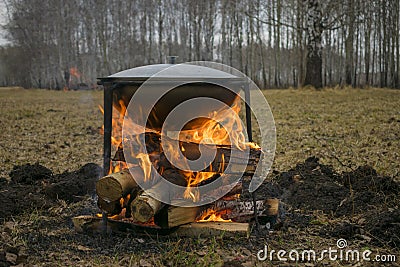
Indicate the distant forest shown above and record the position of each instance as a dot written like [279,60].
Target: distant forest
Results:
[277,43]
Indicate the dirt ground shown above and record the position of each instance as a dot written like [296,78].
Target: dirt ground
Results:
[336,172]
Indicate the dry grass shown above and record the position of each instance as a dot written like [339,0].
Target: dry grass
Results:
[57,129]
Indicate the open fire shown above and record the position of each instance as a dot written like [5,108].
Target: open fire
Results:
[210,133]
[186,172]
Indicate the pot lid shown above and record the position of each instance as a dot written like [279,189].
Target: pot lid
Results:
[182,71]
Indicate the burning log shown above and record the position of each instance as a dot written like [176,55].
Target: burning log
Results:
[236,211]
[233,194]
[115,207]
[174,216]
[224,184]
[115,186]
[145,205]
[112,208]
[225,155]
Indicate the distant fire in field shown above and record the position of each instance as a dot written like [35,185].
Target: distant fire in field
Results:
[74,72]
[73,79]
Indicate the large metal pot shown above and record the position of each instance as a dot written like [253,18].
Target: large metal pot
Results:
[197,81]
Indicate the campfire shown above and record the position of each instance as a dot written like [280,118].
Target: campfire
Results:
[148,182]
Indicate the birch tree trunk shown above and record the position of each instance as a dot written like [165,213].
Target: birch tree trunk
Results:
[314,44]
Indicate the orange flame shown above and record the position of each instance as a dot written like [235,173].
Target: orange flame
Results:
[145,164]
[74,72]
[116,135]
[223,128]
[212,216]
[193,179]
[124,200]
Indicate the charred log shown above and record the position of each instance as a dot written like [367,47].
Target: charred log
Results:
[237,211]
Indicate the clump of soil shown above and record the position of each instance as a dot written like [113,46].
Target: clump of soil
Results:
[70,185]
[16,199]
[357,203]
[35,187]
[366,178]
[30,174]
[313,186]
[385,227]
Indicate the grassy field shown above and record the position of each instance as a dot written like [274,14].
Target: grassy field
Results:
[55,128]
[345,128]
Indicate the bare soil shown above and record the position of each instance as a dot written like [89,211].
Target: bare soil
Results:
[336,178]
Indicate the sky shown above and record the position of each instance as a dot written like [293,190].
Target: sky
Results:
[3,20]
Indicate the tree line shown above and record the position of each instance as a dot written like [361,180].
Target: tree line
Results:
[277,43]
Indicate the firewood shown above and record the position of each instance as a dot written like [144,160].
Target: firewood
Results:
[227,158]
[272,207]
[92,224]
[218,192]
[111,208]
[225,154]
[170,217]
[211,229]
[117,185]
[237,211]
[146,205]
[115,207]
[234,193]
[240,211]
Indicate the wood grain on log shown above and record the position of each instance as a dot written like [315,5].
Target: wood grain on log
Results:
[146,205]
[117,185]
